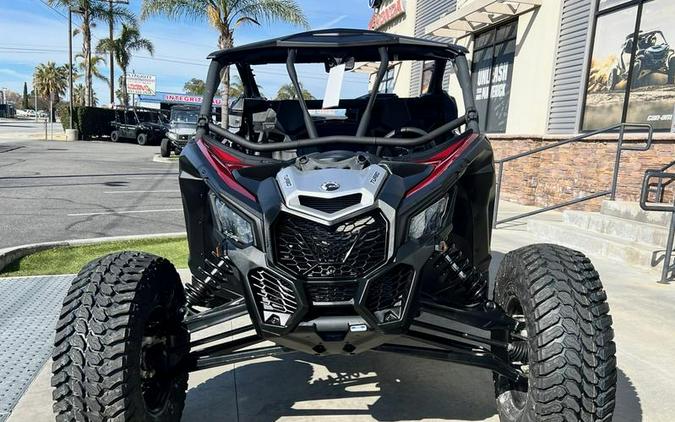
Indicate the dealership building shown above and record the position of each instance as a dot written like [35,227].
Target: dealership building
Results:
[546,70]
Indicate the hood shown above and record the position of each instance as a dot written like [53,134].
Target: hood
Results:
[183,130]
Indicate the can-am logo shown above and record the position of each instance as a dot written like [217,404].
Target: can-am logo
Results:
[330,186]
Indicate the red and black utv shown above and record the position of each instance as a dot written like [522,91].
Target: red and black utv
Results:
[368,231]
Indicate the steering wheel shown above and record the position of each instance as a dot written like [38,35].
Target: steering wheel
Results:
[407,129]
[402,130]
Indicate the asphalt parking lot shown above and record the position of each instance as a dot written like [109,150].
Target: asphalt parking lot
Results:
[68,190]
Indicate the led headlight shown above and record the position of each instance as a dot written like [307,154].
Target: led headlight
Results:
[428,221]
[232,224]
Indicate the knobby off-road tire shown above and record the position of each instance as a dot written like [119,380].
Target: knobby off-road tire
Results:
[118,342]
[165,148]
[143,139]
[570,349]
[114,136]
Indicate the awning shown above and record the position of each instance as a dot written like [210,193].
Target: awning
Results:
[478,14]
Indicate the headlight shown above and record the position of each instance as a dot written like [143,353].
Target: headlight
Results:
[232,224]
[428,221]
[171,136]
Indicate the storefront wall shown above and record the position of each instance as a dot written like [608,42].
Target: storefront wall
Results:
[547,88]
[401,25]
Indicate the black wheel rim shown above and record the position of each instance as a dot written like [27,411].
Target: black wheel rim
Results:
[156,372]
[513,395]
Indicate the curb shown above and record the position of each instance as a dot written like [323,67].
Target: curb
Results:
[9,255]
[159,159]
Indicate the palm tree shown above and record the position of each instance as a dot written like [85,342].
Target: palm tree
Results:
[91,12]
[288,92]
[94,62]
[50,81]
[226,16]
[129,41]
[236,88]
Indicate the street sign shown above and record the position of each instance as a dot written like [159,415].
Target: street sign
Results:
[141,84]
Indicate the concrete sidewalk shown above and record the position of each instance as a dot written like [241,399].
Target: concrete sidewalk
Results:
[385,387]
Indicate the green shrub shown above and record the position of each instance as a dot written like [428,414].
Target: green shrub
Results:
[63,111]
[93,122]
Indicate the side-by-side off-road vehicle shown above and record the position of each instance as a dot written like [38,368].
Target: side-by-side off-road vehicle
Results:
[652,54]
[145,126]
[368,231]
[182,128]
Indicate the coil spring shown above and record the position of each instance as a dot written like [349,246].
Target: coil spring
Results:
[463,279]
[201,290]
[518,351]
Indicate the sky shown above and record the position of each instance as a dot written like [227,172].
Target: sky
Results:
[31,33]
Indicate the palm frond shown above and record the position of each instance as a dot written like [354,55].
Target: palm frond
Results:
[270,11]
[174,9]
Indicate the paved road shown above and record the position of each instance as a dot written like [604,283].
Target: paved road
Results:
[27,128]
[68,190]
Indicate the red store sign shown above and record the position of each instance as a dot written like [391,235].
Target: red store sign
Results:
[386,15]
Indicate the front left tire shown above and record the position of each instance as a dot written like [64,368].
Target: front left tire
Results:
[565,342]
[165,148]
[121,344]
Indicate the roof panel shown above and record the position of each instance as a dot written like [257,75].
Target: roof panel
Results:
[314,45]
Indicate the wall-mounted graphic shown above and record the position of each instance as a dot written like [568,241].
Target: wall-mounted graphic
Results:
[652,68]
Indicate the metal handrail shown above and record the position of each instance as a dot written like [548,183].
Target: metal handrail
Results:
[615,174]
[661,175]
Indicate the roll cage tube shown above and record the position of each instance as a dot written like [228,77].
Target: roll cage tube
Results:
[360,140]
[470,118]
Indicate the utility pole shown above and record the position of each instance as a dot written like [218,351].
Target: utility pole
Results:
[111,29]
[112,62]
[70,65]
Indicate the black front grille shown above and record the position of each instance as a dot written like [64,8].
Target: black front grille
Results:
[387,294]
[274,297]
[345,250]
[331,292]
[330,205]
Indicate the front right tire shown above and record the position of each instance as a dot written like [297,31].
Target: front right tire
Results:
[565,343]
[121,344]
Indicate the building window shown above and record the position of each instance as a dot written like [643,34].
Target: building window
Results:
[427,73]
[632,71]
[389,81]
[492,70]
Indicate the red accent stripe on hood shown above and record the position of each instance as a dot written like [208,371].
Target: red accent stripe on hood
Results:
[224,164]
[442,160]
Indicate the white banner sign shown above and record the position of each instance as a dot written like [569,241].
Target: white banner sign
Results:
[141,84]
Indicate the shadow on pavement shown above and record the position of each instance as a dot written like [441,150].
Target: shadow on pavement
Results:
[386,387]
[382,386]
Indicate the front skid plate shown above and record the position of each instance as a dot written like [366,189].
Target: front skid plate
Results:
[474,337]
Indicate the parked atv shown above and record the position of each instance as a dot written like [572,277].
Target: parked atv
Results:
[146,126]
[182,128]
[371,234]
[653,54]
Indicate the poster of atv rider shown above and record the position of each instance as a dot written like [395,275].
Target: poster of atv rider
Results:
[652,91]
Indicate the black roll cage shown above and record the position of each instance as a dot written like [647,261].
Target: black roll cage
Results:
[221,60]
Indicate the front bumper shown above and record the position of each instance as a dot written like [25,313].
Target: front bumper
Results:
[336,316]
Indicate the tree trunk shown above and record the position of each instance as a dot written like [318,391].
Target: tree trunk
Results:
[225,41]
[125,94]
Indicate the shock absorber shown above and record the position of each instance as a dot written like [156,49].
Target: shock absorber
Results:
[206,286]
[466,282]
